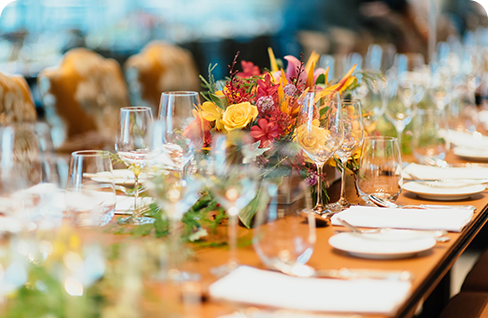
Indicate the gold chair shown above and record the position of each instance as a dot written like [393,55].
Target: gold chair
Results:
[160,67]
[16,104]
[82,98]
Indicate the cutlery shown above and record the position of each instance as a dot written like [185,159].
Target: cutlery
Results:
[386,204]
[439,235]
[305,271]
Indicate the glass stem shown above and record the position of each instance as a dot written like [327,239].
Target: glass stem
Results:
[175,241]
[319,205]
[233,219]
[343,181]
[135,215]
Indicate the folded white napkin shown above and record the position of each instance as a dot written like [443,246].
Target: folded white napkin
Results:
[467,140]
[261,287]
[416,219]
[123,203]
[428,172]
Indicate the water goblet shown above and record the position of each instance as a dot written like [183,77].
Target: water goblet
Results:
[430,139]
[380,168]
[90,199]
[131,146]
[319,133]
[400,99]
[20,170]
[353,139]
[233,181]
[175,197]
[183,133]
[282,238]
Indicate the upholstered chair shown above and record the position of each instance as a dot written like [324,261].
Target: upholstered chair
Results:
[160,67]
[16,105]
[82,98]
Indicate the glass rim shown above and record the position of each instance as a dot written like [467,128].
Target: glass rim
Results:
[179,93]
[381,138]
[90,153]
[135,108]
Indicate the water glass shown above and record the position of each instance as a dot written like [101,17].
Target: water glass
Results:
[282,238]
[430,140]
[380,168]
[90,193]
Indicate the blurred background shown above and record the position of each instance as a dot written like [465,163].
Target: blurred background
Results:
[34,34]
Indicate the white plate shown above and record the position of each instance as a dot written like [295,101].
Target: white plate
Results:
[435,191]
[390,245]
[120,176]
[471,154]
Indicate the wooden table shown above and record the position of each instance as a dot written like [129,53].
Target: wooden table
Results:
[428,269]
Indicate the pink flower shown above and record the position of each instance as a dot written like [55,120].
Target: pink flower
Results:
[248,70]
[265,131]
[292,71]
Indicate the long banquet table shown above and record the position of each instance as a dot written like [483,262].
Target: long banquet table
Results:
[428,268]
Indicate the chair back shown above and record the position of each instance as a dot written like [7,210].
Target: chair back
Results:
[16,104]
[160,67]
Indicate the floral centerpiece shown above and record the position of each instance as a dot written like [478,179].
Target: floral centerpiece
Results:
[266,104]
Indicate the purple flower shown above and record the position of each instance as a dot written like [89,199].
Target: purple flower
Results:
[265,103]
[290,90]
[312,179]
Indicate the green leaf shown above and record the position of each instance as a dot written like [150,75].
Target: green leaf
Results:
[320,79]
[220,102]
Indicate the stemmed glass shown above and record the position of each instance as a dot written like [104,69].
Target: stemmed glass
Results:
[175,197]
[319,133]
[131,146]
[380,169]
[233,180]
[353,140]
[184,132]
[430,138]
[20,169]
[371,94]
[401,103]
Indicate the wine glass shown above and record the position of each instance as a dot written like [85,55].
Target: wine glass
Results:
[131,146]
[20,169]
[282,238]
[380,168]
[319,133]
[175,197]
[90,192]
[430,139]
[184,131]
[233,181]
[400,98]
[353,139]
[371,94]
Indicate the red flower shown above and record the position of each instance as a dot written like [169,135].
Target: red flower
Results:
[248,70]
[266,88]
[265,131]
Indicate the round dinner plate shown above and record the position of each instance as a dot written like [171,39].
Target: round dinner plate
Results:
[120,176]
[390,245]
[471,154]
[436,191]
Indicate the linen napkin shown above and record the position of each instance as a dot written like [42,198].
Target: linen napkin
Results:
[431,173]
[122,203]
[453,220]
[260,287]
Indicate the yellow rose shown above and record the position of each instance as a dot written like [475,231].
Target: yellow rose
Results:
[238,116]
[313,140]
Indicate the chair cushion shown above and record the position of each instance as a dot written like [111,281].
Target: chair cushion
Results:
[477,278]
[466,305]
[16,103]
